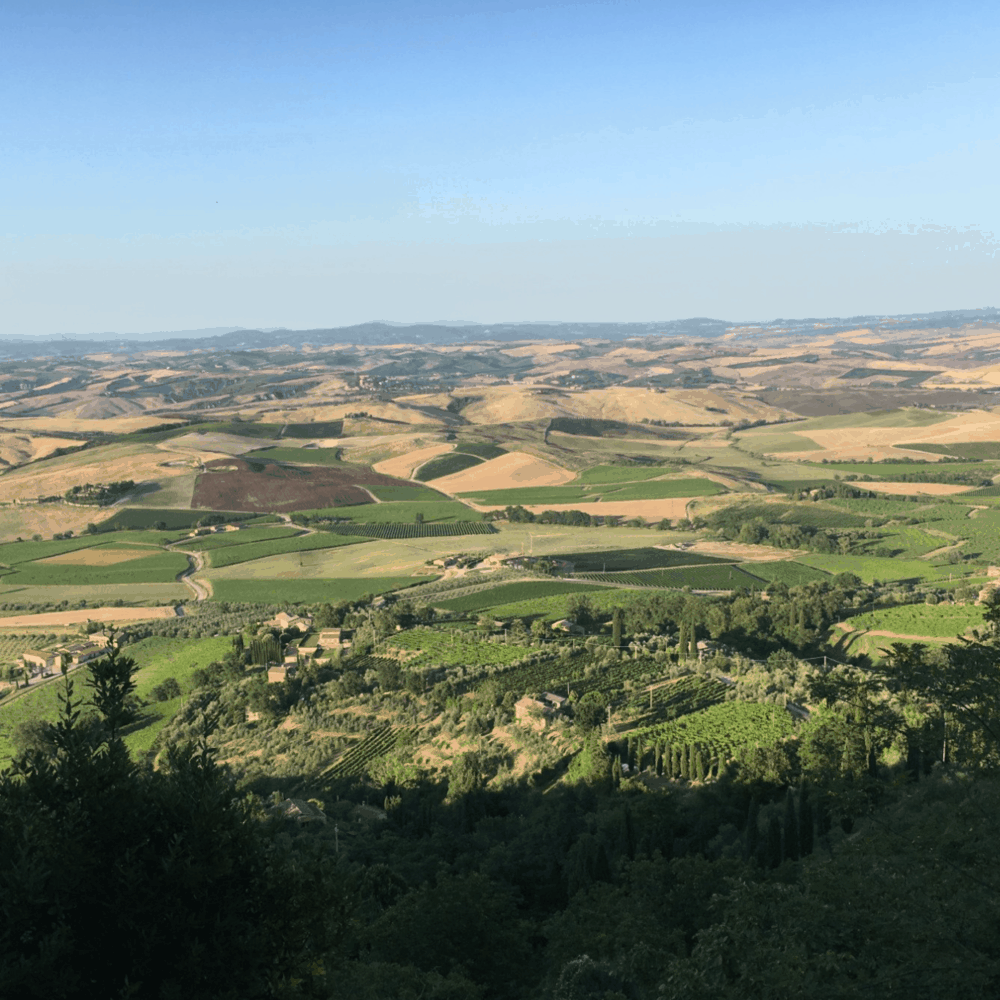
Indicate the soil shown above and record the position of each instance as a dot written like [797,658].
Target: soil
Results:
[259,485]
[99,557]
[517,468]
[405,465]
[88,615]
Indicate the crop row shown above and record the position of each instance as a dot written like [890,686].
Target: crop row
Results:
[723,730]
[371,748]
[507,592]
[389,530]
[725,577]
[436,647]
[616,560]
[234,554]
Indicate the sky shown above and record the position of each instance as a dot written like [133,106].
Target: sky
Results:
[314,164]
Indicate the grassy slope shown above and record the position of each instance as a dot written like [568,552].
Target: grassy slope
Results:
[231,555]
[402,512]
[308,591]
[943,620]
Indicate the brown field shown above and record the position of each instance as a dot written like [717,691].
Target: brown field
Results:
[276,487]
[516,468]
[42,519]
[744,553]
[405,465]
[112,425]
[221,444]
[19,449]
[911,489]
[88,615]
[99,557]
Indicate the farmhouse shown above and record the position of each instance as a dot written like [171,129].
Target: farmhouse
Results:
[285,621]
[537,711]
[300,811]
[275,675]
[568,626]
[41,660]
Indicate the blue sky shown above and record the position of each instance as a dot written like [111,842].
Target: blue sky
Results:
[301,164]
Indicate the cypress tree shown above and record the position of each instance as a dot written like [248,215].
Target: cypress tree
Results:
[791,828]
[699,766]
[658,762]
[675,762]
[617,621]
[693,642]
[682,644]
[751,832]
[805,822]
[773,842]
[685,762]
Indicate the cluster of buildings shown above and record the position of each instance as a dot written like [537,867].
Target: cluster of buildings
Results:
[59,658]
[309,647]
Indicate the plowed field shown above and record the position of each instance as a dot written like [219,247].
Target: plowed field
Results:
[248,485]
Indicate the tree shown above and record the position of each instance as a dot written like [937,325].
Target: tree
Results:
[418,518]
[617,622]
[129,881]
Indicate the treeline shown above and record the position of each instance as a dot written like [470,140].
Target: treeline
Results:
[99,494]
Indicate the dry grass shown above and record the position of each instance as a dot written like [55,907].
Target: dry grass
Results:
[216,444]
[88,615]
[112,425]
[43,519]
[404,465]
[516,468]
[19,449]
[911,489]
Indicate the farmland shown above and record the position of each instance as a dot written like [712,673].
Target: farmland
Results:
[306,591]
[299,456]
[231,555]
[247,484]
[144,567]
[445,465]
[724,577]
[244,537]
[508,593]
[601,475]
[435,647]
[941,620]
[421,530]
[613,560]
[433,511]
[792,574]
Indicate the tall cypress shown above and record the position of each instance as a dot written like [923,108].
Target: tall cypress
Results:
[675,762]
[699,766]
[773,842]
[682,643]
[685,762]
[751,832]
[805,822]
[791,828]
[617,622]
[693,642]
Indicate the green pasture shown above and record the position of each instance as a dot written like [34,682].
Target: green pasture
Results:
[771,443]
[233,554]
[157,658]
[14,553]
[318,591]
[161,567]
[938,620]
[870,568]
[988,450]
[396,494]
[893,472]
[404,511]
[601,475]
[174,519]
[480,449]
[646,557]
[299,456]
[554,607]
[532,495]
[245,537]
[508,593]
[663,489]
[725,577]
[906,417]
[793,574]
[60,597]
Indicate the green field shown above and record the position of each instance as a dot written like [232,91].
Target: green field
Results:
[445,465]
[697,577]
[870,568]
[13,553]
[94,595]
[793,574]
[508,593]
[400,513]
[406,493]
[989,450]
[146,517]
[158,658]
[553,608]
[160,567]
[532,495]
[615,560]
[292,591]
[440,647]
[233,554]
[479,449]
[245,537]
[299,456]
[663,489]
[771,443]
[601,475]
[938,620]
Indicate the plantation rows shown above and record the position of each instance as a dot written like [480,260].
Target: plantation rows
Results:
[718,734]
[686,695]
[371,748]
[614,560]
[390,530]
[724,577]
[449,649]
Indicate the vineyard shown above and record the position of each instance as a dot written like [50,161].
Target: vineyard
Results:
[663,489]
[601,475]
[725,577]
[506,593]
[390,531]
[359,757]
[231,555]
[716,734]
[793,574]
[434,647]
[244,537]
[614,560]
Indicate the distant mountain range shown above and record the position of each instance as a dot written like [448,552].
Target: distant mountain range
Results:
[383,332]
